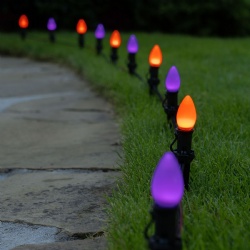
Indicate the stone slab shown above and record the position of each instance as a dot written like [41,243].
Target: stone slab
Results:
[51,119]
[72,201]
[23,77]
[87,244]
[15,234]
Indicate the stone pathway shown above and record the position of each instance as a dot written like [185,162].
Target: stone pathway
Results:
[58,158]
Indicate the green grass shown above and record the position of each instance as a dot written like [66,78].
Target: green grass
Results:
[215,72]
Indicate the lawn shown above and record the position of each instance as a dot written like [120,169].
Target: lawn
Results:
[215,73]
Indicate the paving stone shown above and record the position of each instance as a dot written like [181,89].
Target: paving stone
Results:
[74,202]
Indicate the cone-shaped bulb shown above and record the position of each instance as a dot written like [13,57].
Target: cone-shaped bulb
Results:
[155,56]
[167,185]
[51,25]
[173,80]
[115,39]
[100,31]
[81,27]
[132,45]
[186,114]
[23,22]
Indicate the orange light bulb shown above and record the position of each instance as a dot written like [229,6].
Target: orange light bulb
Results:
[81,27]
[186,114]
[115,39]
[155,56]
[23,22]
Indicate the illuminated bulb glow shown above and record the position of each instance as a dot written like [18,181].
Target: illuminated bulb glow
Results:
[81,27]
[115,39]
[51,25]
[167,185]
[173,80]
[186,114]
[23,22]
[100,31]
[155,56]
[132,45]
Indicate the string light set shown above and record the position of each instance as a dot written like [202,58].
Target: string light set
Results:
[155,61]
[167,189]
[171,175]
[23,23]
[51,26]
[132,48]
[81,29]
[115,42]
[170,103]
[99,35]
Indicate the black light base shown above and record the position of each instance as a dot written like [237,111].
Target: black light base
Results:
[23,34]
[184,160]
[113,55]
[99,46]
[170,106]
[52,37]
[184,153]
[156,243]
[167,223]
[81,40]
[131,63]
[153,80]
[184,140]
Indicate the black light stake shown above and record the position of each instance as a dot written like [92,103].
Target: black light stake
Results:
[23,34]
[113,55]
[23,24]
[167,189]
[170,103]
[81,29]
[186,119]
[99,46]
[99,35]
[132,48]
[51,26]
[81,40]
[155,60]
[115,42]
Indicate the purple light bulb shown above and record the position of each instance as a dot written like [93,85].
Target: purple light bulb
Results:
[51,25]
[100,31]
[132,45]
[173,80]
[167,185]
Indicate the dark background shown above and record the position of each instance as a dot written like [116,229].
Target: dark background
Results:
[224,18]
